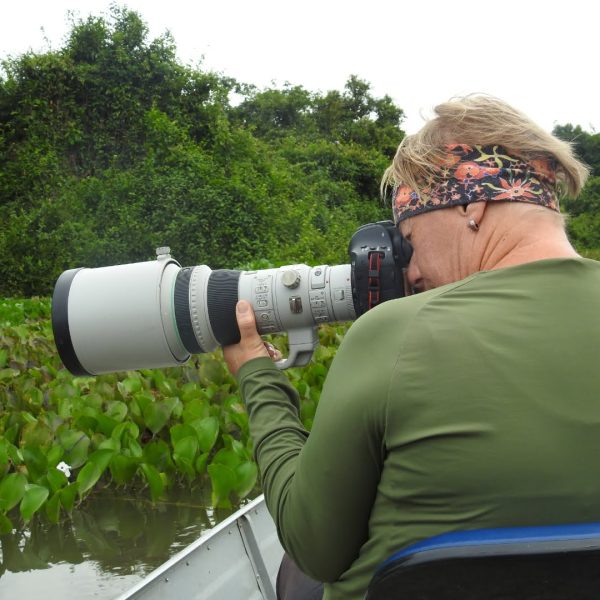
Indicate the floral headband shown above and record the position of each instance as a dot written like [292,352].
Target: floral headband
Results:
[480,174]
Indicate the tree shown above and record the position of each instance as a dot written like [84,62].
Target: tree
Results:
[110,147]
[586,145]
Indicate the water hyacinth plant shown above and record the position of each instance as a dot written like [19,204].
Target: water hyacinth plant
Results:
[62,438]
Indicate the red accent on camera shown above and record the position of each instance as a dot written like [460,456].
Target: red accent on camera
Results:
[375,259]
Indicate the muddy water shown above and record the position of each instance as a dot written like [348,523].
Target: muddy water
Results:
[109,544]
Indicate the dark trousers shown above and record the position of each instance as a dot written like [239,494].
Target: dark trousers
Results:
[293,584]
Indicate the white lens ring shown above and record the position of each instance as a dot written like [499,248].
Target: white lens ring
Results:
[199,308]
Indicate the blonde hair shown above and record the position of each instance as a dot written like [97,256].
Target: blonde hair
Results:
[481,120]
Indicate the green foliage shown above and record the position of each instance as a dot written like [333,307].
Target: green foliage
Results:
[583,223]
[353,116]
[588,202]
[586,145]
[109,147]
[148,430]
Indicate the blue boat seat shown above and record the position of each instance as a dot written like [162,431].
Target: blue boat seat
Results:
[558,562]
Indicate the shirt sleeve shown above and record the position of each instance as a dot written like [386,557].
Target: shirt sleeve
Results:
[320,487]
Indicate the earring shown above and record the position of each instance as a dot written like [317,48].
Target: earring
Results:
[472,225]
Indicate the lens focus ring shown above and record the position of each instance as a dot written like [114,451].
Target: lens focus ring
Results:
[221,297]
[182,311]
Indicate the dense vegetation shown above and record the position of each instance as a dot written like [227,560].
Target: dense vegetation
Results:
[109,147]
[584,212]
[148,429]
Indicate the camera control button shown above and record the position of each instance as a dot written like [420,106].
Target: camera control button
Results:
[290,278]
[317,278]
[296,304]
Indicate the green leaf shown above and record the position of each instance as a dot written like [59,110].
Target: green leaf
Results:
[186,466]
[56,479]
[110,444]
[117,410]
[227,457]
[180,431]
[186,447]
[154,480]
[240,450]
[54,455]
[128,427]
[207,431]
[6,374]
[197,408]
[6,525]
[36,461]
[158,453]
[246,474]
[123,468]
[12,489]
[177,408]
[201,462]
[133,446]
[129,386]
[76,444]
[3,361]
[10,435]
[240,419]
[15,455]
[68,495]
[36,434]
[223,481]
[142,400]
[157,415]
[166,386]
[88,476]
[28,418]
[213,371]
[101,458]
[36,397]
[4,462]
[34,497]
[53,508]
[106,424]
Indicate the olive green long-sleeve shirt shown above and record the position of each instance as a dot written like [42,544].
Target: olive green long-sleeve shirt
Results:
[473,405]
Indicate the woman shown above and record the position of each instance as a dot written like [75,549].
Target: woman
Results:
[470,405]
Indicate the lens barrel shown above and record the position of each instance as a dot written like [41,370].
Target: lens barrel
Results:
[221,298]
[117,318]
[156,314]
[181,301]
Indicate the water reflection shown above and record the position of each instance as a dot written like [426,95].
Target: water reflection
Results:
[110,543]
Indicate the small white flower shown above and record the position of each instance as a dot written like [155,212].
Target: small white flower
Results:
[65,468]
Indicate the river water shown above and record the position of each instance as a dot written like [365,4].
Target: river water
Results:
[109,544]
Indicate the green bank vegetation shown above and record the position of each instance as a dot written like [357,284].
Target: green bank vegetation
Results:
[142,431]
[109,147]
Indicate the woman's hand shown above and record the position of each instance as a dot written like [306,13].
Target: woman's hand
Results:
[251,345]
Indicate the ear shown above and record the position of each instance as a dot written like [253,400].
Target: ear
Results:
[475,211]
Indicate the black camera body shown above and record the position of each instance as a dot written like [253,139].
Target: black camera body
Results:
[379,257]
